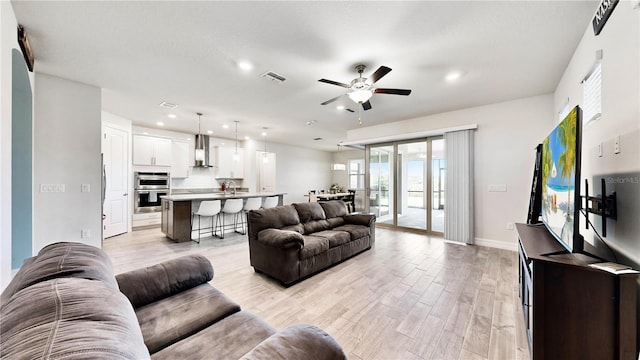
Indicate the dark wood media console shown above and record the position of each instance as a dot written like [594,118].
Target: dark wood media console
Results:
[573,311]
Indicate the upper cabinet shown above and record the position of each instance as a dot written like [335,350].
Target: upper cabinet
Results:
[150,150]
[180,162]
[230,165]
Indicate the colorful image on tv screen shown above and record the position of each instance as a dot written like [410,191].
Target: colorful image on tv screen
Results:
[558,179]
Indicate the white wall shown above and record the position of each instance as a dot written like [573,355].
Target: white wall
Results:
[66,151]
[620,44]
[505,140]
[297,169]
[8,42]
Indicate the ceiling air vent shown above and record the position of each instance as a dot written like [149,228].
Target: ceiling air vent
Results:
[168,105]
[273,76]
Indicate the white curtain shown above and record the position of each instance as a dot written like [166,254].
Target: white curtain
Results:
[458,210]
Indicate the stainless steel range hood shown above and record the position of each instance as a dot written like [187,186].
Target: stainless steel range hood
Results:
[202,158]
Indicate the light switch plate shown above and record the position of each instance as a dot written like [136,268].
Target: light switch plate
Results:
[85,188]
[497,188]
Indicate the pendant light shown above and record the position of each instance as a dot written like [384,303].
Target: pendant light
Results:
[265,158]
[199,142]
[235,154]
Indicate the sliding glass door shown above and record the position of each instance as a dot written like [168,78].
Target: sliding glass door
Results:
[406,184]
[381,181]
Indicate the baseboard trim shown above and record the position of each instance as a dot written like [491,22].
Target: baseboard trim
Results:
[496,244]
[455,242]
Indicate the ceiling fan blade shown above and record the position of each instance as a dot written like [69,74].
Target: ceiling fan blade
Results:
[382,71]
[366,105]
[332,100]
[393,91]
[334,83]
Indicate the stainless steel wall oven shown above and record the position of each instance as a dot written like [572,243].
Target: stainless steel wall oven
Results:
[148,188]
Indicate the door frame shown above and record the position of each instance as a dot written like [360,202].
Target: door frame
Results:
[129,177]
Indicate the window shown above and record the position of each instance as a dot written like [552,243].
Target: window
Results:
[356,174]
[592,92]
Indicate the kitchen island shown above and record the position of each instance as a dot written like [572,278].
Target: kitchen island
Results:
[177,210]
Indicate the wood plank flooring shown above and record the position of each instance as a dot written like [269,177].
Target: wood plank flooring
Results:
[410,297]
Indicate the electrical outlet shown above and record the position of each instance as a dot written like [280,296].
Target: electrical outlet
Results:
[616,145]
[600,149]
[85,188]
[509,226]
[85,233]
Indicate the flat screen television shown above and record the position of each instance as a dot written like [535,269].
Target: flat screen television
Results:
[561,203]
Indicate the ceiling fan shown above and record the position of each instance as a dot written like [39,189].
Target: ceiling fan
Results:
[360,91]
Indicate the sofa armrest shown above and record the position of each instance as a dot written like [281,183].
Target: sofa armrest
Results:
[153,283]
[282,239]
[298,342]
[360,219]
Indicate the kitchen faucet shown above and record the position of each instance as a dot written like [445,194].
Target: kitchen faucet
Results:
[233,192]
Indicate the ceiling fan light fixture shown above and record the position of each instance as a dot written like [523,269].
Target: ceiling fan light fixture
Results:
[360,96]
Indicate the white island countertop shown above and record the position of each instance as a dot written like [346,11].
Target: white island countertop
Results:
[219,196]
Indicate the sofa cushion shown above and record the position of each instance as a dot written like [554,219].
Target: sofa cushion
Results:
[313,245]
[277,217]
[336,238]
[314,226]
[297,228]
[334,208]
[179,316]
[282,239]
[70,318]
[356,231]
[298,342]
[229,338]
[309,211]
[63,259]
[146,285]
[335,222]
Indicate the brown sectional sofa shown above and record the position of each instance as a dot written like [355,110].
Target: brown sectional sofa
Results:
[66,303]
[295,241]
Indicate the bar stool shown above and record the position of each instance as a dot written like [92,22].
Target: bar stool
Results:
[251,204]
[270,202]
[209,208]
[231,206]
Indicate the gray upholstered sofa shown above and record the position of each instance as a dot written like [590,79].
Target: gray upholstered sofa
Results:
[65,303]
[295,241]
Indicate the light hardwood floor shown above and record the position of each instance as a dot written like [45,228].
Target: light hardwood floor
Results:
[409,297]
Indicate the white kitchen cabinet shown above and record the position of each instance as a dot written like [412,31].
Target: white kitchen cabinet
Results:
[150,150]
[230,166]
[180,159]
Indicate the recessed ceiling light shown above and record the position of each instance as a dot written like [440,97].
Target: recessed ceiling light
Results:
[340,107]
[247,138]
[264,133]
[209,131]
[245,65]
[172,116]
[188,139]
[145,133]
[453,76]
[160,123]
[225,126]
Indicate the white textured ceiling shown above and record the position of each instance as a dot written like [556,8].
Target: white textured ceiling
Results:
[142,53]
